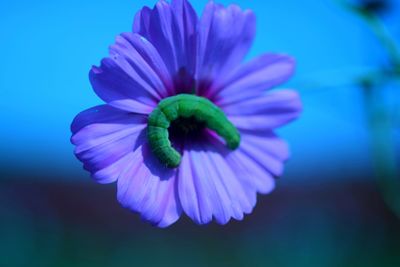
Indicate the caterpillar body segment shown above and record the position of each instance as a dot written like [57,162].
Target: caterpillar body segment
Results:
[186,106]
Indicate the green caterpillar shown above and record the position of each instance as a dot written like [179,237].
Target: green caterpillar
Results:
[186,106]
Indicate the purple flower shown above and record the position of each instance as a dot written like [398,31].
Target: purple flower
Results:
[171,51]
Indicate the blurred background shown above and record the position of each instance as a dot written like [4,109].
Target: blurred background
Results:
[337,204]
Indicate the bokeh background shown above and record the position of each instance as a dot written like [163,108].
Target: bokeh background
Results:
[336,205]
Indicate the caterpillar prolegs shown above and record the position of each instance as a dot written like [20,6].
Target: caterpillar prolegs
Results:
[185,106]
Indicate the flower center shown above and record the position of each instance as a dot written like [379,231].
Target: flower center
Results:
[183,128]
[183,115]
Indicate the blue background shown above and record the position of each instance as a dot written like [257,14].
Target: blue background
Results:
[47,50]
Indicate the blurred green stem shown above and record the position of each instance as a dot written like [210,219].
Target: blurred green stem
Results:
[384,156]
[379,30]
[385,38]
[379,119]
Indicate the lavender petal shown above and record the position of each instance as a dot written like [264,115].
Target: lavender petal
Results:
[267,111]
[149,189]
[224,38]
[209,188]
[103,137]
[253,78]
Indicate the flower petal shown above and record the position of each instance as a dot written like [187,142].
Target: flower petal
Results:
[187,20]
[240,197]
[208,186]
[267,111]
[268,141]
[154,64]
[251,173]
[217,198]
[142,21]
[224,38]
[261,154]
[136,51]
[134,77]
[148,188]
[112,84]
[253,78]
[161,32]
[171,28]
[194,197]
[103,137]
[193,205]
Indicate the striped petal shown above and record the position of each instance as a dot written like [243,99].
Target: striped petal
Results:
[150,189]
[103,137]
[172,30]
[134,77]
[208,187]
[266,111]
[260,158]
[224,38]
[253,78]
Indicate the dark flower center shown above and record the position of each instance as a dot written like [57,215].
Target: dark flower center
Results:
[185,128]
